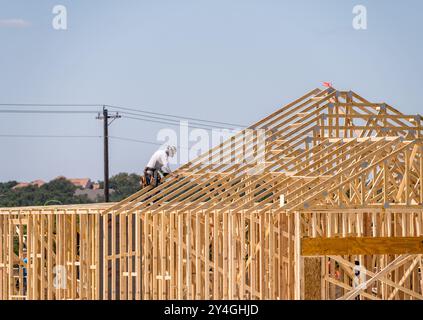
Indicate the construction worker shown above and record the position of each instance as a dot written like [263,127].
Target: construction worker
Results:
[158,166]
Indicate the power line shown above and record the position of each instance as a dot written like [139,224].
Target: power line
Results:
[75,136]
[175,116]
[139,117]
[174,123]
[48,105]
[147,117]
[135,140]
[49,111]
[45,136]
[143,141]
[139,112]
[83,136]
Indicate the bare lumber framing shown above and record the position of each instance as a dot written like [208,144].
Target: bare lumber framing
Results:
[334,176]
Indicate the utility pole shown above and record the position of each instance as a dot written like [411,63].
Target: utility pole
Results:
[105,117]
[101,234]
[106,153]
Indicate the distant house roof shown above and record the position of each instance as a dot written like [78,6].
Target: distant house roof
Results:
[37,183]
[83,182]
[92,194]
[21,185]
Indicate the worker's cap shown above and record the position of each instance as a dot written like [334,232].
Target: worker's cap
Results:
[171,150]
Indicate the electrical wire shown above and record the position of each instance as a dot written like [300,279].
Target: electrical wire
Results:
[135,140]
[78,136]
[84,136]
[49,105]
[174,116]
[45,136]
[138,112]
[168,122]
[175,121]
[146,117]
[49,111]
[142,141]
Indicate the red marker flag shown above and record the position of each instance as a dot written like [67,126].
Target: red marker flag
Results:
[327,84]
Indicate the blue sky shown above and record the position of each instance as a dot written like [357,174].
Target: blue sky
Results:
[233,61]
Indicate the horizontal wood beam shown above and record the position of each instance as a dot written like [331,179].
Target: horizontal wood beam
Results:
[361,246]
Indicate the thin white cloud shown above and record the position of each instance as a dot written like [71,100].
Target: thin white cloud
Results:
[14,23]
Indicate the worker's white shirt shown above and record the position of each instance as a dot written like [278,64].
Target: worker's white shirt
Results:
[158,160]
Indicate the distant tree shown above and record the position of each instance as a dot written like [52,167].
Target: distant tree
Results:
[60,190]
[124,185]
[6,186]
